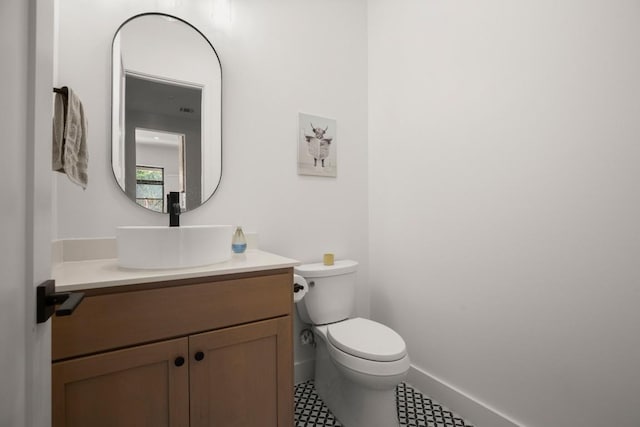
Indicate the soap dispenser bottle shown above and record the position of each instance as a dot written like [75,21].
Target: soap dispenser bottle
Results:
[239,241]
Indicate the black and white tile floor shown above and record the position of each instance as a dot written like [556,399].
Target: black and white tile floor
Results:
[414,409]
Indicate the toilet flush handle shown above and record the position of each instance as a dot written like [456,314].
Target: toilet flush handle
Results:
[297,287]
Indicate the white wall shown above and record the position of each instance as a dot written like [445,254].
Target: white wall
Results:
[14,30]
[278,58]
[505,197]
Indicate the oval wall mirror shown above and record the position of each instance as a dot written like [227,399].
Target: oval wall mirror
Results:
[166,127]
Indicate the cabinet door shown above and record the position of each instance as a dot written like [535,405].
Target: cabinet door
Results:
[243,376]
[138,386]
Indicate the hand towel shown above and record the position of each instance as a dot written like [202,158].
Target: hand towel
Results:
[59,111]
[70,154]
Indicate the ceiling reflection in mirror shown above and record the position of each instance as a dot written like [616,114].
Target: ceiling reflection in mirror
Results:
[166,112]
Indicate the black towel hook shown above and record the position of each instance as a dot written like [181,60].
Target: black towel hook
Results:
[63,90]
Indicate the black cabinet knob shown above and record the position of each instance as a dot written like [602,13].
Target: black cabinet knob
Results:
[179,361]
[199,356]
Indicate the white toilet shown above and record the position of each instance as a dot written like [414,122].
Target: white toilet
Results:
[359,362]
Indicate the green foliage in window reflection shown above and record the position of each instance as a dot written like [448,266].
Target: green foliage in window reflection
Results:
[143,174]
[154,205]
[148,191]
[150,187]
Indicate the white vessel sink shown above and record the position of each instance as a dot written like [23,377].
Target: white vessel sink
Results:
[155,247]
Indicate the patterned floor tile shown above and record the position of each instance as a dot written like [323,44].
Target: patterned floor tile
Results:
[414,409]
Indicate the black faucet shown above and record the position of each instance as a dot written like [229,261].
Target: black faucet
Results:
[173,206]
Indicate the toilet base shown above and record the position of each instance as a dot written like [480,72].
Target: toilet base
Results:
[353,404]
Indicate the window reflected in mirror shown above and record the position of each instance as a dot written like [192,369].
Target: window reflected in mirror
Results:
[150,187]
[160,167]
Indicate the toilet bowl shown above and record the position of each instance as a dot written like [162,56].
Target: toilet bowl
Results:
[359,362]
[359,389]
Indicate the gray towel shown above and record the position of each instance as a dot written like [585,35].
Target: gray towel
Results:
[70,154]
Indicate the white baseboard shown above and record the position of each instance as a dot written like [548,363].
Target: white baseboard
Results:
[472,410]
[303,371]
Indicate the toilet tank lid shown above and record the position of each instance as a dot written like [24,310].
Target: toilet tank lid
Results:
[367,339]
[320,270]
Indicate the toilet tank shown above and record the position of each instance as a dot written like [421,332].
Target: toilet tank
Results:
[331,296]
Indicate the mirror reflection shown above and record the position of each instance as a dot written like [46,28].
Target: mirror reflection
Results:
[159,166]
[166,112]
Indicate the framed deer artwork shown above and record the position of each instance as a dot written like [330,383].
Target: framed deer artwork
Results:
[317,150]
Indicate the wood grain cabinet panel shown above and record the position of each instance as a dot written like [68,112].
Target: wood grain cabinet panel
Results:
[138,386]
[116,359]
[125,318]
[241,376]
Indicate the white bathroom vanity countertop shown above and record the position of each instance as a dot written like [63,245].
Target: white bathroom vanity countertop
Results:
[103,273]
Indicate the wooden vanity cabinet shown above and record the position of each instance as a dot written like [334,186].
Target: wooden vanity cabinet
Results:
[137,386]
[246,391]
[197,352]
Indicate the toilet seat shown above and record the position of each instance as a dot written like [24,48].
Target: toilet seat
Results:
[369,367]
[368,344]
[366,339]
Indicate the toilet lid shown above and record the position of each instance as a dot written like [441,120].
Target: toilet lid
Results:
[367,339]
